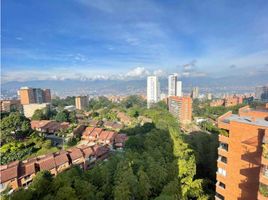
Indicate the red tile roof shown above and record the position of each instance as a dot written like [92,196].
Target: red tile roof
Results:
[87,131]
[107,135]
[9,172]
[47,162]
[50,125]
[39,123]
[27,168]
[61,158]
[87,150]
[75,153]
[96,132]
[121,138]
[100,150]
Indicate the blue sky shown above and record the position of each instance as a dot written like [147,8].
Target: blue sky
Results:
[58,39]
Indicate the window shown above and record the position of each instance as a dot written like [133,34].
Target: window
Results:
[222,171]
[219,196]
[223,146]
[221,184]
[222,159]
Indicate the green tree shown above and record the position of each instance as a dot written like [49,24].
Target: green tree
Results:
[66,193]
[41,184]
[143,185]
[62,116]
[15,126]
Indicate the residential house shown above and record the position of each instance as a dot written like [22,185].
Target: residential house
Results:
[101,152]
[48,126]
[113,125]
[27,171]
[120,140]
[107,138]
[88,154]
[47,162]
[76,156]
[124,118]
[62,161]
[9,176]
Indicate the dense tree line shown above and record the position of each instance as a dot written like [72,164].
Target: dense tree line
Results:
[157,164]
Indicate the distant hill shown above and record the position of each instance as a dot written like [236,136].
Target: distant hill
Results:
[116,87]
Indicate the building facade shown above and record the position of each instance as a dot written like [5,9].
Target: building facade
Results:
[81,102]
[172,85]
[29,109]
[34,95]
[179,89]
[181,108]
[242,158]
[153,90]
[195,93]
[261,93]
[10,105]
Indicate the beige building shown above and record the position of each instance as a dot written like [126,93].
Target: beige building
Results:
[10,105]
[81,102]
[29,109]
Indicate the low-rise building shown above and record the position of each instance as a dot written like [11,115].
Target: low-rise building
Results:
[113,125]
[76,157]
[124,118]
[49,126]
[21,173]
[10,105]
[62,161]
[27,171]
[29,109]
[120,140]
[47,162]
[9,176]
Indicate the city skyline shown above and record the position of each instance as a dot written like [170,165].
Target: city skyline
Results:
[113,40]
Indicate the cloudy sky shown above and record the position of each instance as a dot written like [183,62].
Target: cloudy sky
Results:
[119,39]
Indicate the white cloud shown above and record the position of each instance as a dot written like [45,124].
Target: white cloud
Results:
[138,72]
[159,72]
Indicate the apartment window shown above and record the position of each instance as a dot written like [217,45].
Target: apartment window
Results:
[221,184]
[222,171]
[222,159]
[219,196]
[223,146]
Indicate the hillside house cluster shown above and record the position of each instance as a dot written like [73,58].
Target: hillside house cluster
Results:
[21,173]
[96,135]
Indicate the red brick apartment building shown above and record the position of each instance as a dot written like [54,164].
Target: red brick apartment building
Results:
[243,155]
[181,108]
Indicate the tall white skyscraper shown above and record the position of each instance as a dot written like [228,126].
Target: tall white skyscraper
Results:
[153,90]
[172,85]
[179,89]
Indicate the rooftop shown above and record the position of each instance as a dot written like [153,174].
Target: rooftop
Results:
[246,120]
